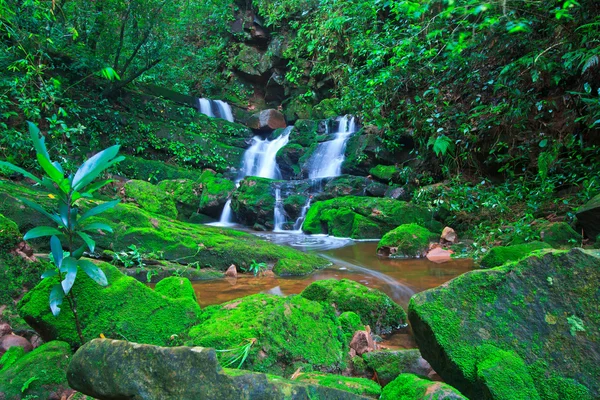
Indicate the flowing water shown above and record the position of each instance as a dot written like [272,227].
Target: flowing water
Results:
[208,107]
[259,159]
[279,217]
[328,157]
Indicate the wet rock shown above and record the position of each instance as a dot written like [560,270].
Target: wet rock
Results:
[439,255]
[560,235]
[588,217]
[406,241]
[12,340]
[412,387]
[388,364]
[449,235]
[216,190]
[267,120]
[231,271]
[5,329]
[482,331]
[362,343]
[152,370]
[254,201]
[398,193]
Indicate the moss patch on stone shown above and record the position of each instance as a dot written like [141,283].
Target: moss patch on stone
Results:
[290,332]
[412,387]
[560,235]
[215,191]
[38,373]
[388,364]
[123,309]
[254,201]
[150,198]
[385,173]
[9,234]
[360,386]
[374,307]
[408,240]
[185,193]
[500,255]
[153,171]
[176,288]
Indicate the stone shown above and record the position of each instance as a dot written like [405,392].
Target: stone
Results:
[439,255]
[374,307]
[149,197]
[406,241]
[500,255]
[254,201]
[360,386]
[528,329]
[5,329]
[216,190]
[412,387]
[185,193]
[398,193]
[177,373]
[39,374]
[588,217]
[449,235]
[388,364]
[362,343]
[12,340]
[560,235]
[267,120]
[231,271]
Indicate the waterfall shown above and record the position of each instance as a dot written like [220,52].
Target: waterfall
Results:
[300,221]
[279,212]
[259,159]
[226,217]
[207,107]
[327,159]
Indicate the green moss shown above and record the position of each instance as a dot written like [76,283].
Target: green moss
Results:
[185,192]
[9,234]
[290,332]
[409,240]
[388,364]
[411,387]
[498,256]
[123,309]
[176,288]
[305,132]
[150,198]
[350,323]
[254,201]
[215,190]
[11,356]
[364,217]
[560,235]
[360,386]
[44,368]
[153,171]
[373,306]
[385,173]
[287,267]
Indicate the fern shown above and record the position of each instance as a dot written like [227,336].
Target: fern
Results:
[440,144]
[590,63]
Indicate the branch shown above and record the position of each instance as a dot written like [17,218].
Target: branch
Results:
[121,38]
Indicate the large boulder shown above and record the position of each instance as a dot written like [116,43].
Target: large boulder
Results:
[113,369]
[40,374]
[124,309]
[408,240]
[216,190]
[254,201]
[185,193]
[412,387]
[374,307]
[149,197]
[360,386]
[560,235]
[365,217]
[526,330]
[267,120]
[588,216]
[500,255]
[286,333]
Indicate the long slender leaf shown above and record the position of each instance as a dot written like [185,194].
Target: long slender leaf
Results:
[41,231]
[88,240]
[97,225]
[93,271]
[90,169]
[38,142]
[98,209]
[79,252]
[97,185]
[49,273]
[57,250]
[69,267]
[51,170]
[53,217]
[19,170]
[56,298]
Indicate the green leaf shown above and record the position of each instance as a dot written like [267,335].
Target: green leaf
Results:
[53,217]
[69,267]
[93,167]
[41,231]
[49,273]
[110,74]
[99,209]
[78,253]
[56,298]
[97,185]
[97,225]
[88,240]
[93,271]
[38,142]
[57,250]
[543,143]
[53,173]
[21,171]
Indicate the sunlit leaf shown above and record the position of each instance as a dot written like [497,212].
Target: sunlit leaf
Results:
[94,166]
[93,271]
[41,231]
[57,250]
[69,268]
[56,298]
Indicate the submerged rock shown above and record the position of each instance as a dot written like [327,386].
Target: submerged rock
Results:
[112,369]
[40,374]
[525,330]
[500,255]
[374,307]
[412,387]
[409,240]
[286,333]
[588,216]
[124,309]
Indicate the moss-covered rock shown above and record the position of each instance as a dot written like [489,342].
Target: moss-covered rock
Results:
[38,374]
[185,193]
[350,323]
[588,217]
[153,171]
[215,191]
[359,386]
[535,320]
[374,307]
[288,160]
[254,201]
[408,240]
[385,173]
[560,235]
[411,387]
[388,364]
[288,267]
[9,234]
[123,309]
[289,332]
[150,198]
[357,217]
[348,185]
[176,288]
[500,255]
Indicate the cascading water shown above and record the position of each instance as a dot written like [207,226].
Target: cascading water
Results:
[300,220]
[224,110]
[279,212]
[259,159]
[207,106]
[327,159]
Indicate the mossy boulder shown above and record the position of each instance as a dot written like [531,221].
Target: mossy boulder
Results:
[532,325]
[176,288]
[359,386]
[290,267]
[113,369]
[588,217]
[41,373]
[185,193]
[408,240]
[216,190]
[124,309]
[288,160]
[388,364]
[153,171]
[348,185]
[374,307]
[386,173]
[9,234]
[365,217]
[560,235]
[289,332]
[150,198]
[254,201]
[350,323]
[500,255]
[412,387]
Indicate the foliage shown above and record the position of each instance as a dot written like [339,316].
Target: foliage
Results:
[71,225]
[255,267]
[239,354]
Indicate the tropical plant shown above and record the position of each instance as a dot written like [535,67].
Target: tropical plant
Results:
[71,225]
[255,267]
